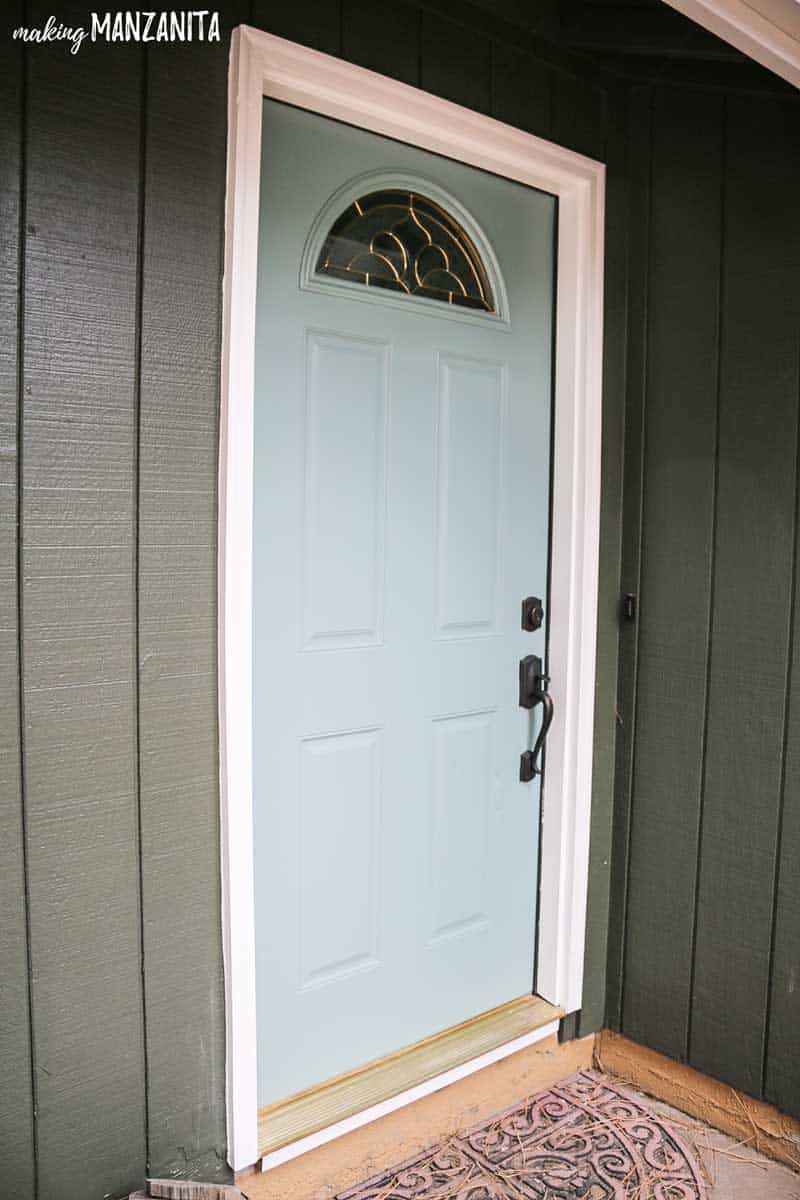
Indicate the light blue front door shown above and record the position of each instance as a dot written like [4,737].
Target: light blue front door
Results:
[402,456]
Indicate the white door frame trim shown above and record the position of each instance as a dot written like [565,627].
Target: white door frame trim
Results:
[262,65]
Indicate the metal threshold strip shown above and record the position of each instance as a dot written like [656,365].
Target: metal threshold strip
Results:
[307,1112]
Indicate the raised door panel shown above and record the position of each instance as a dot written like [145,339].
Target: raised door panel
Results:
[339,869]
[471,410]
[462,788]
[345,491]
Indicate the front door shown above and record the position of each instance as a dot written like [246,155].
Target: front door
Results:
[402,457]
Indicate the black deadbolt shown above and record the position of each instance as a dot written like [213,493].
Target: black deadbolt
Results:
[532,613]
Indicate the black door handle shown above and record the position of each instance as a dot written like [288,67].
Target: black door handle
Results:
[532,691]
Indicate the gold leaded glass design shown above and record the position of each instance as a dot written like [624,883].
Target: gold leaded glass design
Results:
[404,242]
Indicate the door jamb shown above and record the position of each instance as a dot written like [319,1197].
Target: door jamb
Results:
[264,65]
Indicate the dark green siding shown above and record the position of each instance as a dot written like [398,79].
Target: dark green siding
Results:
[638,234]
[705,933]
[606,724]
[683,257]
[181,257]
[383,38]
[78,613]
[314,23]
[782,1072]
[111,286]
[17,1151]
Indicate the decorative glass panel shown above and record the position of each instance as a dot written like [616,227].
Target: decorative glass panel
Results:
[405,242]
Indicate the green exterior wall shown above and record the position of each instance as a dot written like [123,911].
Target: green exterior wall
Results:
[111,987]
[705,930]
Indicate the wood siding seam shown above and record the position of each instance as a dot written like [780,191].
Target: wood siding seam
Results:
[482,22]
[634,716]
[77,426]
[22,236]
[776,883]
[136,514]
[781,926]
[541,48]
[593,1011]
[715,774]
[711,570]
[631,530]
[178,735]
[781,1078]
[752,596]
[552,101]
[679,447]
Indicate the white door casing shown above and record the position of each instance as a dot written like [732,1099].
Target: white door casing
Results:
[262,65]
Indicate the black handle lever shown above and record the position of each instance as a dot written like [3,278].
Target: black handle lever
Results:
[533,690]
[547,720]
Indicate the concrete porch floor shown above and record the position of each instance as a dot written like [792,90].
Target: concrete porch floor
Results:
[732,1169]
[588,1137]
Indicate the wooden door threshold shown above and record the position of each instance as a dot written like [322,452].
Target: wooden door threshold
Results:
[328,1104]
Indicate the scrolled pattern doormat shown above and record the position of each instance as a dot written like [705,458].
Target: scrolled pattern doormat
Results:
[583,1139]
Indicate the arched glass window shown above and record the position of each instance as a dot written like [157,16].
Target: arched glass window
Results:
[405,242]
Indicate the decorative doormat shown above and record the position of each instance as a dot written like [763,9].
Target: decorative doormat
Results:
[582,1139]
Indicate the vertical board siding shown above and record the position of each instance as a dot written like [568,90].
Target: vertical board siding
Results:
[17,1161]
[382,38]
[782,1068]
[314,23]
[679,468]
[704,942]
[79,615]
[638,240]
[578,115]
[592,1015]
[752,592]
[521,90]
[456,62]
[184,155]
